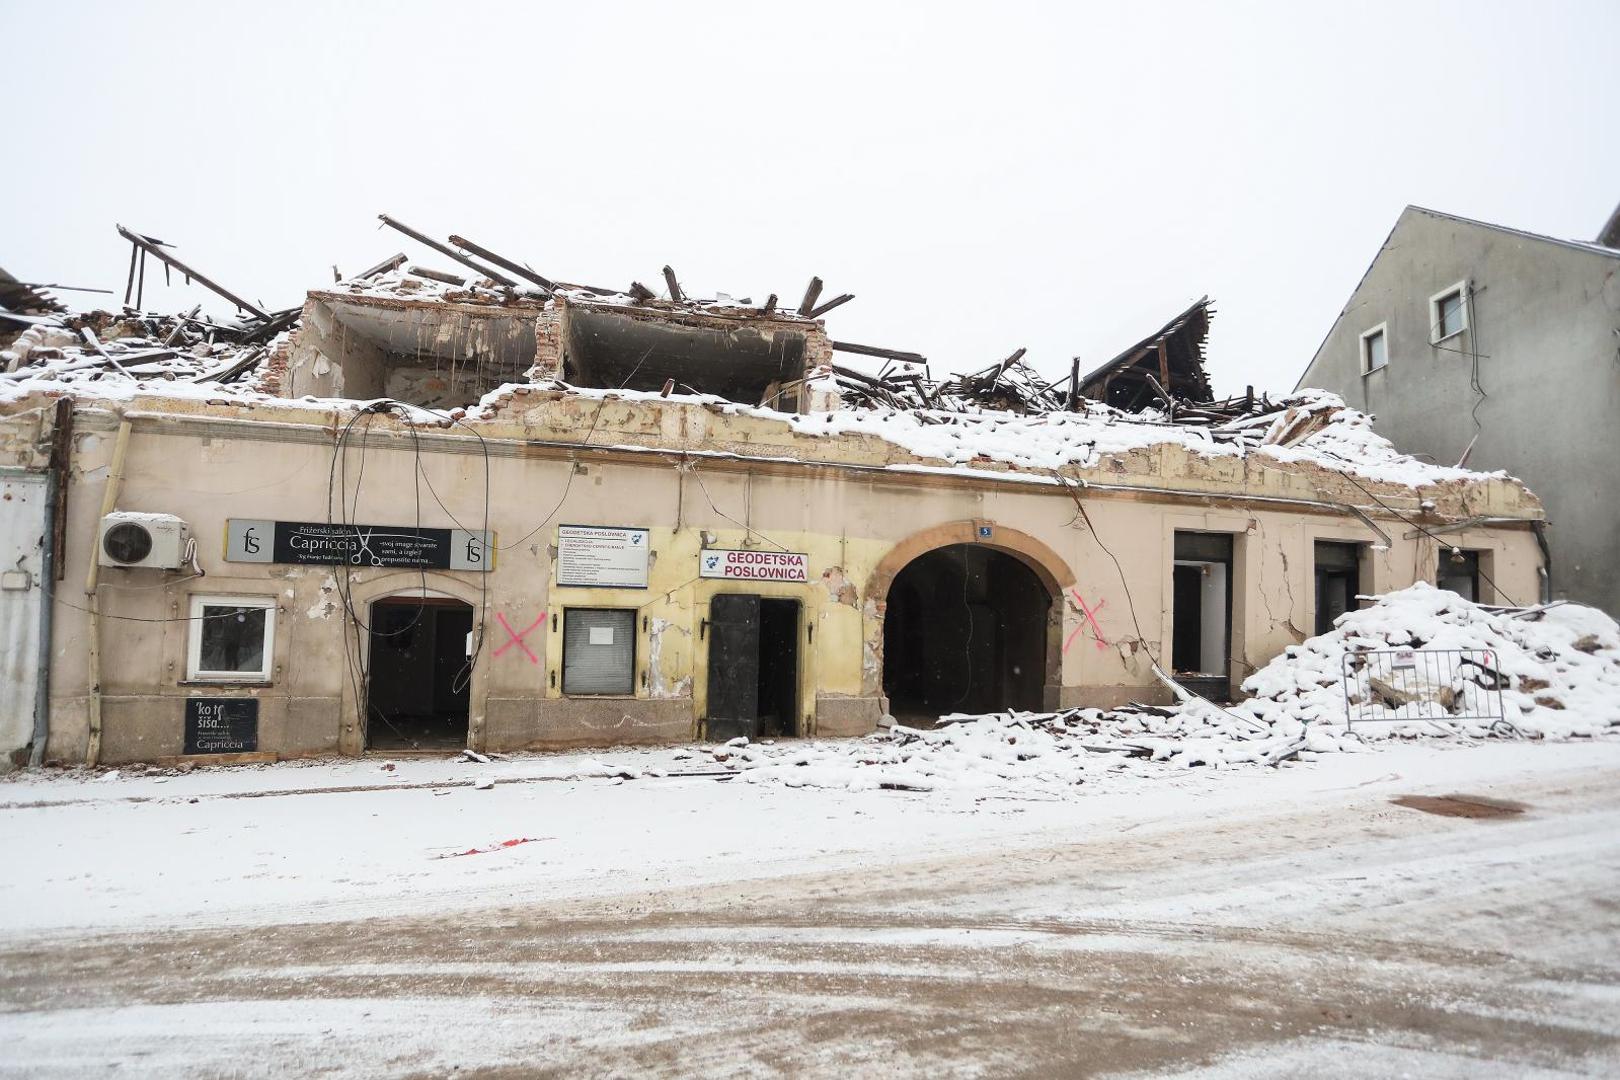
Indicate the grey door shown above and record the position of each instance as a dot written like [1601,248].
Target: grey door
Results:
[733,666]
[22,533]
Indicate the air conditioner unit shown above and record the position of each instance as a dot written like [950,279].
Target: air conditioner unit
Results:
[134,540]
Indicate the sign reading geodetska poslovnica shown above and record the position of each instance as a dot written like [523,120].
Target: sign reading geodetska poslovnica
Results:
[754,565]
[317,543]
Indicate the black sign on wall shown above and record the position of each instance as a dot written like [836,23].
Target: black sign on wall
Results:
[222,725]
[320,543]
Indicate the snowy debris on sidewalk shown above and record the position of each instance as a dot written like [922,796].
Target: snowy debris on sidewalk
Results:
[1560,667]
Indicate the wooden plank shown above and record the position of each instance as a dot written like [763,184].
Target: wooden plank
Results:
[811,295]
[61,465]
[640,292]
[169,260]
[546,284]
[674,286]
[873,350]
[95,343]
[393,262]
[493,275]
[234,369]
[838,301]
[129,286]
[180,324]
[436,275]
[1164,364]
[269,329]
[860,377]
[1164,395]
[770,305]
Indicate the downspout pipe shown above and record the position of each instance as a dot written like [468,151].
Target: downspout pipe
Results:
[109,503]
[47,605]
[1539,527]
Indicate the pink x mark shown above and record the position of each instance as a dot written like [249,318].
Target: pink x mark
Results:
[518,636]
[1091,617]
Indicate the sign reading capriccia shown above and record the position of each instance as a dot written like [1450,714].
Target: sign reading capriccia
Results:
[256,540]
[221,725]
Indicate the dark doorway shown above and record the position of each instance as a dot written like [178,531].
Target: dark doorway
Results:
[1201,613]
[1459,573]
[417,685]
[753,666]
[778,667]
[1338,580]
[965,631]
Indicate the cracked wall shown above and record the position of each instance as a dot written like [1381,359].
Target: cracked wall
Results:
[201,462]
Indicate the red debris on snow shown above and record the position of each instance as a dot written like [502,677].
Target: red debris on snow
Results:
[494,847]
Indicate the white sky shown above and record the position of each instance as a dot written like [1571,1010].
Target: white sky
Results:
[1062,177]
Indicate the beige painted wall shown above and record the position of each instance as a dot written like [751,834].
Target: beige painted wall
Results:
[204,466]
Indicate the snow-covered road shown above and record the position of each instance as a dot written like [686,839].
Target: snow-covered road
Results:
[1248,922]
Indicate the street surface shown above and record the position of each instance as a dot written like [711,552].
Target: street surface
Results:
[1252,923]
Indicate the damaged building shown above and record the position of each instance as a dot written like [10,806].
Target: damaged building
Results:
[471,506]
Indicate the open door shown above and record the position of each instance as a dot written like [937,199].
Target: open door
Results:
[753,666]
[417,677]
[1201,613]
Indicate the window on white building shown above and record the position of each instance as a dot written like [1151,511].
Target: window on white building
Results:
[1448,312]
[233,638]
[1374,349]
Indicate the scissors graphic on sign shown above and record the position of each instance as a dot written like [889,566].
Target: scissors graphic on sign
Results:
[364,550]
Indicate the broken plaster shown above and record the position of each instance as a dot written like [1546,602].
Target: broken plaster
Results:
[324,607]
[660,688]
[839,588]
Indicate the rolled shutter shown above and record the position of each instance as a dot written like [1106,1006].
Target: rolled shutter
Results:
[599,651]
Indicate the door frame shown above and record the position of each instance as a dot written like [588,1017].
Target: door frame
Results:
[809,619]
[427,599]
[406,584]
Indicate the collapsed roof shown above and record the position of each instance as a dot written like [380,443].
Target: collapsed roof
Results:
[22,302]
[1166,366]
[463,342]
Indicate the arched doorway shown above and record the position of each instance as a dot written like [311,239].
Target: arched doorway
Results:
[965,631]
[418,674]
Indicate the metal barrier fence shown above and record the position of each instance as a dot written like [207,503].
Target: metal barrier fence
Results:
[1394,685]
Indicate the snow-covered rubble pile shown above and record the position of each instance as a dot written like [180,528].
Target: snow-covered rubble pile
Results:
[1561,667]
[1343,438]
[113,355]
[466,287]
[1558,671]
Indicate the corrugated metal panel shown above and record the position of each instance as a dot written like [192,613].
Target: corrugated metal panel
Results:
[599,651]
[22,534]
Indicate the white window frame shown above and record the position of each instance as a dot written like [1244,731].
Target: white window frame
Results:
[1461,289]
[194,670]
[1366,356]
